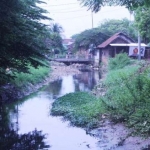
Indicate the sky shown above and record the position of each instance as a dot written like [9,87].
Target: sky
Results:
[74,18]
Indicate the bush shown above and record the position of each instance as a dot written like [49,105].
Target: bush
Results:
[81,108]
[121,60]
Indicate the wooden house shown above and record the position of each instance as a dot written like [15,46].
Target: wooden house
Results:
[106,50]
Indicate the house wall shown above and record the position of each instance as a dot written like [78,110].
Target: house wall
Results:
[96,57]
[111,51]
[105,55]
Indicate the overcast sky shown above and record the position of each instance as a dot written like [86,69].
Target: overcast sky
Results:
[74,18]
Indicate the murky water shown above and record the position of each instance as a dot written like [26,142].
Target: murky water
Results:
[34,112]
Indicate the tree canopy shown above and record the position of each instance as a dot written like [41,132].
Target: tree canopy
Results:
[112,26]
[105,30]
[22,36]
[95,5]
[88,37]
[142,19]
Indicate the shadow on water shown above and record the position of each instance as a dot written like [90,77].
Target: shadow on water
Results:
[33,114]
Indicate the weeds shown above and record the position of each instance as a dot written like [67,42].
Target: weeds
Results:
[81,108]
[127,96]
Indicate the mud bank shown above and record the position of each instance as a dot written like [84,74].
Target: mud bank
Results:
[118,137]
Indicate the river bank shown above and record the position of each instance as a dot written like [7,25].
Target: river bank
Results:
[116,136]
[111,136]
[10,92]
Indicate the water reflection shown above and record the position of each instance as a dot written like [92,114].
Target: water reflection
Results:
[67,85]
[11,140]
[34,112]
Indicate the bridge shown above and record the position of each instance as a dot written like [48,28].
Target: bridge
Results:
[69,61]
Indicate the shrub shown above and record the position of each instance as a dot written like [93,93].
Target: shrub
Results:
[121,60]
[128,97]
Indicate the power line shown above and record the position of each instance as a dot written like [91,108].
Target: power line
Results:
[67,11]
[81,16]
[69,8]
[63,4]
[76,17]
[81,10]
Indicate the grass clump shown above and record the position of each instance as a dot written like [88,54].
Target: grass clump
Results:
[34,76]
[81,108]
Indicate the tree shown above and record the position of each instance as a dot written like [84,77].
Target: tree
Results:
[55,39]
[142,19]
[98,35]
[21,36]
[56,28]
[87,37]
[112,26]
[95,5]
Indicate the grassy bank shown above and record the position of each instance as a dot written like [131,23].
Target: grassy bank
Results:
[126,98]
[36,75]
[81,108]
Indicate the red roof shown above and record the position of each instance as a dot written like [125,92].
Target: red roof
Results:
[114,37]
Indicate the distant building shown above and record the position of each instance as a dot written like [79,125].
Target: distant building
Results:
[68,45]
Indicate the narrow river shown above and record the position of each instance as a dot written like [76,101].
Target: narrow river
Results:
[34,113]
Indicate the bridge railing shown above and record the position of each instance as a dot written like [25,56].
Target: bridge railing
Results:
[77,57]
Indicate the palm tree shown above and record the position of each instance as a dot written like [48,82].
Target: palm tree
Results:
[56,28]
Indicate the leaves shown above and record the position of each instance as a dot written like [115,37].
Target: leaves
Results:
[95,5]
[81,108]
[21,35]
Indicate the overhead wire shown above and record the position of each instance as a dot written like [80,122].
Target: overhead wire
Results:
[83,15]
[63,4]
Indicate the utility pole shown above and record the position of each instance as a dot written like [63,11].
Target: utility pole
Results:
[139,46]
[92,18]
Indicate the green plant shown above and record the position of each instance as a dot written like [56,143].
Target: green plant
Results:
[127,96]
[121,60]
[81,108]
[35,75]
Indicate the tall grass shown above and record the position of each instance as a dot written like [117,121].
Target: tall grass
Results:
[127,96]
[121,60]
[36,75]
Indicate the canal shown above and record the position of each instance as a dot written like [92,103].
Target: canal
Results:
[34,113]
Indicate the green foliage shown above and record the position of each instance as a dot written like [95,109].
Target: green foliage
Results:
[87,37]
[95,5]
[21,36]
[143,22]
[121,60]
[55,40]
[112,26]
[127,96]
[82,109]
[105,30]
[34,76]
